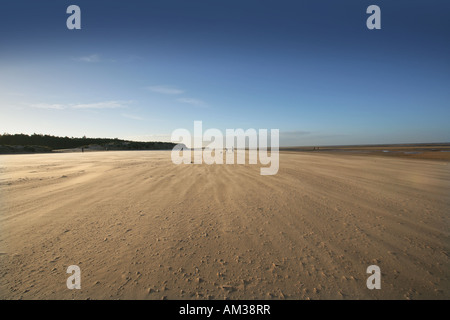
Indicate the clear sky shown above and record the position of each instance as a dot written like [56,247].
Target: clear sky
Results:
[141,69]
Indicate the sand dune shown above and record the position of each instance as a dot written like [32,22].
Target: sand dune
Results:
[140,227]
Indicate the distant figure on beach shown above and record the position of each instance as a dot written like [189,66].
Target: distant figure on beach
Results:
[82,149]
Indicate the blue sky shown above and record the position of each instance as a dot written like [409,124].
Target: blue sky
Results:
[141,69]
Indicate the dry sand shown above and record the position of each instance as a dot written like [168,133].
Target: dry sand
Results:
[140,227]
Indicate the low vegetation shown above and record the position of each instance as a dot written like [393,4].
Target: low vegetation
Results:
[23,143]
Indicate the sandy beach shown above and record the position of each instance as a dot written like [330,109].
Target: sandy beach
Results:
[141,227]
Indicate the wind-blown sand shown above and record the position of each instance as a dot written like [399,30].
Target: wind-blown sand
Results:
[140,227]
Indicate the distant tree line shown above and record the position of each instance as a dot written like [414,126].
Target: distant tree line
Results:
[47,143]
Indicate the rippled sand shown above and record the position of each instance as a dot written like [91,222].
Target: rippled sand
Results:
[140,227]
